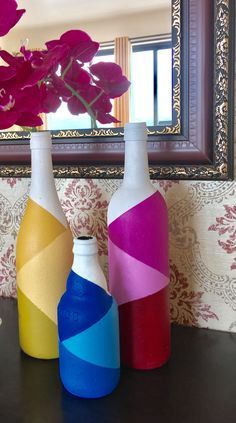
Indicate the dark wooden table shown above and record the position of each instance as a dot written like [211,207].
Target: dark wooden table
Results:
[197,385]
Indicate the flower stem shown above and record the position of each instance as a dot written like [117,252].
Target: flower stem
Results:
[96,98]
[66,69]
[77,95]
[85,104]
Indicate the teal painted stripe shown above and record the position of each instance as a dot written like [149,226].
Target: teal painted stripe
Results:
[99,344]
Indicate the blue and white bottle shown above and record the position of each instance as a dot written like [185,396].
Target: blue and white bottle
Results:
[89,354]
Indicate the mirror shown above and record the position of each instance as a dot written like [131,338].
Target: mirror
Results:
[142,46]
[193,138]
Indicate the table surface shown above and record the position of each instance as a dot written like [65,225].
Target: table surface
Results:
[197,385]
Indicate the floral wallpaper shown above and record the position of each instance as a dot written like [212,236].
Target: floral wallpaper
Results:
[202,227]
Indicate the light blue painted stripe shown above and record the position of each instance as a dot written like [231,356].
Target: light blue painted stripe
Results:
[99,344]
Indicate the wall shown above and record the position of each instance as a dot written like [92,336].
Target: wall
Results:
[135,25]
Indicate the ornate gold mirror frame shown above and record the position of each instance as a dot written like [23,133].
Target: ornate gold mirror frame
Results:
[198,144]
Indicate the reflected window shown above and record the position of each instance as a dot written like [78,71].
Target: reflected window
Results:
[142,87]
[151,83]
[150,92]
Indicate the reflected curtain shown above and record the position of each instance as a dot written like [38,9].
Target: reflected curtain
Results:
[122,58]
[44,126]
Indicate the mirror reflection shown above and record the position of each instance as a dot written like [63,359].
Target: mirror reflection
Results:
[136,35]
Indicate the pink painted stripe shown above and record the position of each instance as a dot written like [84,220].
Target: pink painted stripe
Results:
[142,232]
[129,279]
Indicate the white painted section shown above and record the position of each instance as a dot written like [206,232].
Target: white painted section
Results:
[86,263]
[136,186]
[43,190]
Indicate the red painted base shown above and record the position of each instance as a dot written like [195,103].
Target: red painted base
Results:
[145,331]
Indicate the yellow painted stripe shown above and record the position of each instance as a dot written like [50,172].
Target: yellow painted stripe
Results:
[43,278]
[38,333]
[38,229]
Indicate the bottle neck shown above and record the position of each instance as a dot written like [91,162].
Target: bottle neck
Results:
[81,261]
[86,262]
[136,171]
[42,189]
[41,171]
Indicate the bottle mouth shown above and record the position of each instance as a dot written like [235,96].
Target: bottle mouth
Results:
[85,245]
[41,140]
[135,131]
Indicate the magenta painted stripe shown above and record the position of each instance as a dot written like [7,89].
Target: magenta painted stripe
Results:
[129,279]
[142,232]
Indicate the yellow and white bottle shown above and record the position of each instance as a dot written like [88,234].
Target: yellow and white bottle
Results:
[43,256]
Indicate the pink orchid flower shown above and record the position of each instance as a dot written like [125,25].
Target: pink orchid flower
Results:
[9,15]
[98,102]
[81,46]
[19,107]
[110,79]
[38,81]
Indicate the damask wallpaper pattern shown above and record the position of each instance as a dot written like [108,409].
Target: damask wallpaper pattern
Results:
[202,231]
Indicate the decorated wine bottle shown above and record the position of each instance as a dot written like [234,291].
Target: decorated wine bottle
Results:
[43,256]
[89,354]
[138,259]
